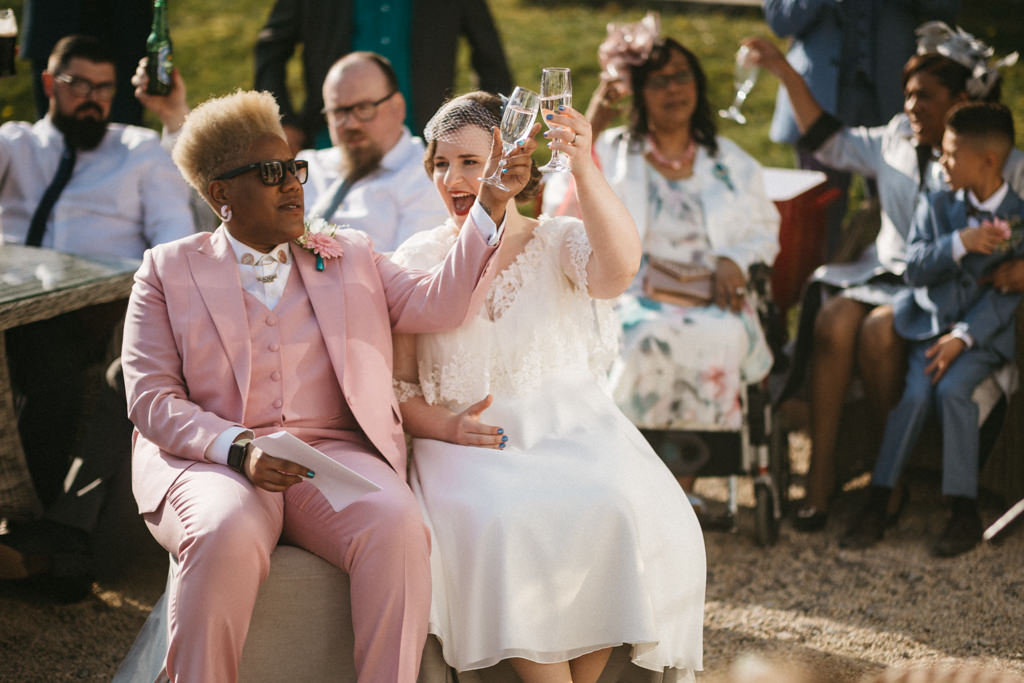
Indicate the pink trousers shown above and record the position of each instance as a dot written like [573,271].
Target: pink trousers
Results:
[222,530]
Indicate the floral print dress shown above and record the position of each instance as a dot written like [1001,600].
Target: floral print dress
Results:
[683,367]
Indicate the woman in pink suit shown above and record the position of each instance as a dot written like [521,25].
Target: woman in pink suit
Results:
[239,333]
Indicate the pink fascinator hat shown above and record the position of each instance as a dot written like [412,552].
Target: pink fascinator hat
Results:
[628,45]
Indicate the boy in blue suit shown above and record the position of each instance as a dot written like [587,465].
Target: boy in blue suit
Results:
[960,328]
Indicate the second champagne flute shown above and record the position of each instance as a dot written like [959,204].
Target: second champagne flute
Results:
[746,76]
[516,122]
[555,91]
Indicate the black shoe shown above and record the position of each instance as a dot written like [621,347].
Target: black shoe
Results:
[865,530]
[962,533]
[809,518]
[41,547]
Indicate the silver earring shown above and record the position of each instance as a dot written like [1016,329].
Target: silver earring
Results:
[225,212]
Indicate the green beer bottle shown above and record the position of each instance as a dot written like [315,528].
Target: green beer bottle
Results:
[160,63]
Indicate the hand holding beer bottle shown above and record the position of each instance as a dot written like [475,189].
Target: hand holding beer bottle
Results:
[172,108]
[160,59]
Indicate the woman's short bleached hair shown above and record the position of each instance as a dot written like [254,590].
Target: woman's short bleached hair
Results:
[218,133]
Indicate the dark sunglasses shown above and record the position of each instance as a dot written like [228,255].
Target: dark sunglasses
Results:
[662,81]
[271,172]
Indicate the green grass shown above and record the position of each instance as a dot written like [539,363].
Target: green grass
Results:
[213,49]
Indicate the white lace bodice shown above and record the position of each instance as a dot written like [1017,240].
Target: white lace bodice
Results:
[536,319]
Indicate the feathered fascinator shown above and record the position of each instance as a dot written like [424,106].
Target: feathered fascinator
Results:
[966,50]
[628,45]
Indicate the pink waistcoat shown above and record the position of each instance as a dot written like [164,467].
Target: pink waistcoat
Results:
[293,385]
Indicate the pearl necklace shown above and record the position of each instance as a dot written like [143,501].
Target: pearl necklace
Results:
[650,147]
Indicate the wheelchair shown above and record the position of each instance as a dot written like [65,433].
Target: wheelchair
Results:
[759,448]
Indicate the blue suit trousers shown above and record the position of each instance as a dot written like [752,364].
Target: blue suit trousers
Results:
[951,400]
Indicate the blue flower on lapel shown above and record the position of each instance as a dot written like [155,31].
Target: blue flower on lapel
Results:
[722,173]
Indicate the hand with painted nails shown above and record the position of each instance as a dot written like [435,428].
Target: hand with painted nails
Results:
[514,168]
[270,473]
[571,135]
[466,429]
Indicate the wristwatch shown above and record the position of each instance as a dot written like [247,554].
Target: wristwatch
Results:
[237,452]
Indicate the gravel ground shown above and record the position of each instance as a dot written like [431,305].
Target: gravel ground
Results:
[839,616]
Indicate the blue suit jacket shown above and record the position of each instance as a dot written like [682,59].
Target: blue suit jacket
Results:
[817,30]
[946,292]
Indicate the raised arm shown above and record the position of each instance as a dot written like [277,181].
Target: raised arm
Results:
[613,236]
[806,109]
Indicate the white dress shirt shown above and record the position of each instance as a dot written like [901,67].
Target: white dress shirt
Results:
[123,197]
[389,204]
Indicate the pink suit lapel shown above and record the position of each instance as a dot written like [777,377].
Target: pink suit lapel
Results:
[326,293]
[215,273]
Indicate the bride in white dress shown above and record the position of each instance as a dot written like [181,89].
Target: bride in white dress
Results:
[557,533]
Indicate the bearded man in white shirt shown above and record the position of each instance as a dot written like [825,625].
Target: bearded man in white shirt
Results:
[76,183]
[372,179]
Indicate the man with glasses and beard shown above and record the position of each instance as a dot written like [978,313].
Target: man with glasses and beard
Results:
[76,183]
[372,179]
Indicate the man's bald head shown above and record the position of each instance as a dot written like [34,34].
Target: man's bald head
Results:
[363,85]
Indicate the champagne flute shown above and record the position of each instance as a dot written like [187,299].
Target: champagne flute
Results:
[516,122]
[746,76]
[555,91]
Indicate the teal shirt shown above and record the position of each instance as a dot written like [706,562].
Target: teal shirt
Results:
[384,27]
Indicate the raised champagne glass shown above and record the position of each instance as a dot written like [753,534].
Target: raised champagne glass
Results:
[746,76]
[516,122]
[555,91]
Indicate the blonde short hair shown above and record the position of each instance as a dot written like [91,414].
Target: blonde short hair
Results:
[218,133]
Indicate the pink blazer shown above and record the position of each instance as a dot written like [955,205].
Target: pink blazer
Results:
[187,352]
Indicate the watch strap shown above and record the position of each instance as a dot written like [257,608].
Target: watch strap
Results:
[237,452]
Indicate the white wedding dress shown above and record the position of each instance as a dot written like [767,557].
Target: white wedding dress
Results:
[575,537]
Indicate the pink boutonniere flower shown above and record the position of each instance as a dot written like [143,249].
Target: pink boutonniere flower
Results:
[1011,229]
[319,239]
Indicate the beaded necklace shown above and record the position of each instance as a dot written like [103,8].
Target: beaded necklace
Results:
[650,147]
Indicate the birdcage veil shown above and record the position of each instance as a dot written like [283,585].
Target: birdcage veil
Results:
[464,111]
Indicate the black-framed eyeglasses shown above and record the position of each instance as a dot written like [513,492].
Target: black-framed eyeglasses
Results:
[363,111]
[271,172]
[83,87]
[662,81]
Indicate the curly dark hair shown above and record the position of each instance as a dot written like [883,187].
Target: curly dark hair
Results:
[702,124]
[494,105]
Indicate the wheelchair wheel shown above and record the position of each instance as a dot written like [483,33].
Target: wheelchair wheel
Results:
[766,526]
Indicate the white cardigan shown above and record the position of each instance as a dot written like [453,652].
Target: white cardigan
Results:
[742,223]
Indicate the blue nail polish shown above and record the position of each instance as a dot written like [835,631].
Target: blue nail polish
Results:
[504,170]
[504,439]
[500,430]
[548,116]
[501,445]
[521,142]
[310,473]
[561,107]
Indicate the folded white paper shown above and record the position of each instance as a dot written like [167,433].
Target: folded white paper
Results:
[339,484]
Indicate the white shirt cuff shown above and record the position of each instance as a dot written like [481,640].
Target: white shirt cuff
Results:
[169,140]
[218,450]
[960,332]
[485,225]
[958,247]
